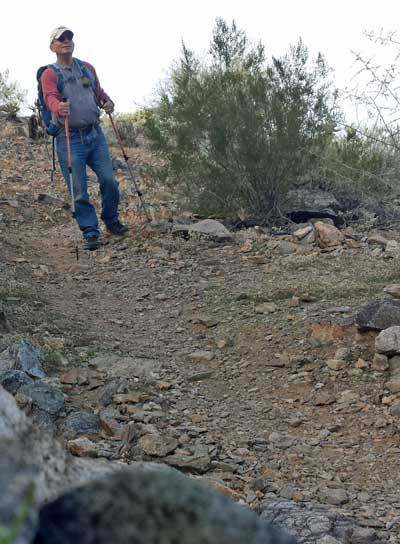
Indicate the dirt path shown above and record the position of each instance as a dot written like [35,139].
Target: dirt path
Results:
[241,336]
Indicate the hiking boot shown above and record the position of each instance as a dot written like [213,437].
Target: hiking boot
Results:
[92,243]
[117,228]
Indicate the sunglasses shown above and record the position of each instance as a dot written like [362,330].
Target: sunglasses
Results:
[67,36]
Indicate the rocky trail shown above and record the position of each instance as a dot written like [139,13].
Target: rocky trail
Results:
[246,362]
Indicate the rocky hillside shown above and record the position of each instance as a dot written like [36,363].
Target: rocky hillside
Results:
[250,360]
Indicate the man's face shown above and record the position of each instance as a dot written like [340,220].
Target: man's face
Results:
[63,44]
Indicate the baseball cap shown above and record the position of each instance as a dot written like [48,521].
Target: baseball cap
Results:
[57,32]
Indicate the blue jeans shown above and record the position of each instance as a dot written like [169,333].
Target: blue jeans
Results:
[89,149]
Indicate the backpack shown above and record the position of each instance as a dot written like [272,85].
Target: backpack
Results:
[46,116]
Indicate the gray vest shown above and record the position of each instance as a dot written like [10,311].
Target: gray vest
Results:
[84,109]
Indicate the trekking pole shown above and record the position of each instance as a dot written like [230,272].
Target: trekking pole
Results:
[71,185]
[138,192]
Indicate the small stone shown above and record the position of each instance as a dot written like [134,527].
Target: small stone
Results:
[393,385]
[287,248]
[133,397]
[363,535]
[209,228]
[393,290]
[301,233]
[377,239]
[394,365]
[380,362]
[200,355]
[327,236]
[198,459]
[164,386]
[281,440]
[6,361]
[334,496]
[360,363]
[223,343]
[343,354]
[395,410]
[348,397]
[158,445]
[12,380]
[70,377]
[287,492]
[200,376]
[323,398]
[46,397]
[81,423]
[208,322]
[82,447]
[266,308]
[392,249]
[336,364]
[388,341]
[28,358]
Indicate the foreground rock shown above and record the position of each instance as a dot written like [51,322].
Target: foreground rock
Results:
[34,468]
[133,505]
[315,524]
[145,507]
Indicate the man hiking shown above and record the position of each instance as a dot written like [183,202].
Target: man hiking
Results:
[80,99]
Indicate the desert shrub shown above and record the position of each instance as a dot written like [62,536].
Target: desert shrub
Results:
[130,128]
[361,163]
[11,96]
[238,132]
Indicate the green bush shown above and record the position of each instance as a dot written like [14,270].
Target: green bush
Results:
[361,163]
[238,132]
[130,128]
[11,96]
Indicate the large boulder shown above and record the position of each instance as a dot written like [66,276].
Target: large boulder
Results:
[304,204]
[151,507]
[145,503]
[211,229]
[379,314]
[34,468]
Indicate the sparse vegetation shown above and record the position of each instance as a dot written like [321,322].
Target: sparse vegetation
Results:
[238,132]
[10,535]
[12,97]
[130,127]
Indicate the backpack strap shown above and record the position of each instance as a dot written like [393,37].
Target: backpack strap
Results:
[86,72]
[60,77]
[58,72]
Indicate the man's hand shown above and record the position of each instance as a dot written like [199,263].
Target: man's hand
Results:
[108,107]
[63,108]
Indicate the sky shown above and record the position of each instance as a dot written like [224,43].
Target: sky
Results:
[133,44]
